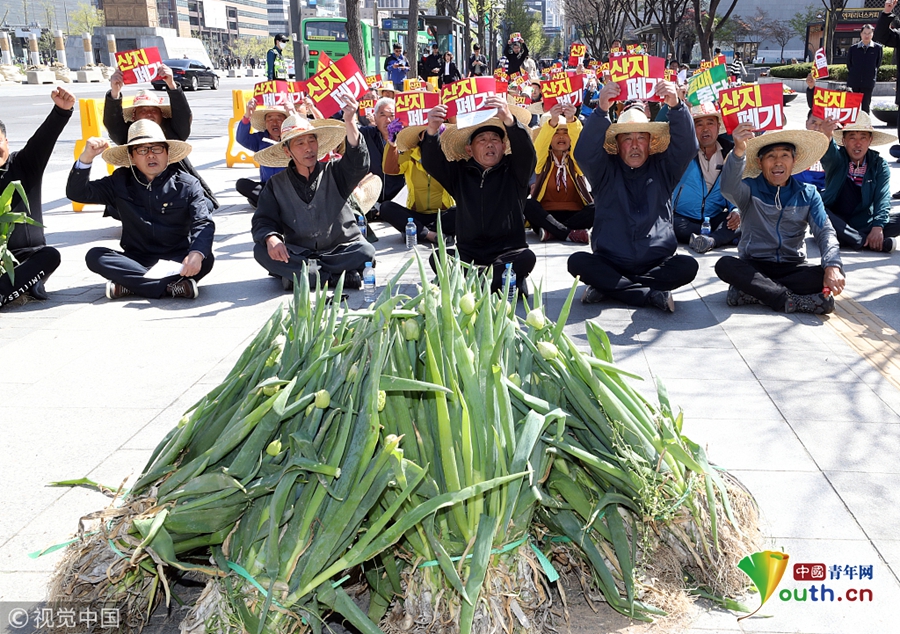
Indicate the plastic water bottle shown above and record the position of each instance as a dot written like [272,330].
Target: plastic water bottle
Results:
[369,283]
[412,234]
[705,228]
[509,273]
[361,223]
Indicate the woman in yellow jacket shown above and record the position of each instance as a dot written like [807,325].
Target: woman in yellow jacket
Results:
[560,207]
[426,197]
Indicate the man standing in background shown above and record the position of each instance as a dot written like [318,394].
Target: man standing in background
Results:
[275,66]
[863,60]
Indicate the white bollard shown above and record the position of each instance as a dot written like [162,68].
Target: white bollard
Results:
[5,49]
[33,49]
[111,47]
[88,49]
[60,48]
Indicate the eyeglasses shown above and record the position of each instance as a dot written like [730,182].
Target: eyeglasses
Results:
[155,149]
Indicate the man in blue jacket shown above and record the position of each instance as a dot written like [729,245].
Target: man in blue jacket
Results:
[776,211]
[632,177]
[396,67]
[267,122]
[697,195]
[857,193]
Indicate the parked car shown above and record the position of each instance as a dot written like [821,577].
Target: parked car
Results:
[191,74]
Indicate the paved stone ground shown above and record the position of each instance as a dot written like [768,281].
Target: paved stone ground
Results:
[787,403]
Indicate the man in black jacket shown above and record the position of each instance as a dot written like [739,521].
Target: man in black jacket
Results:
[376,137]
[863,61]
[26,242]
[165,219]
[431,64]
[489,187]
[477,62]
[174,118]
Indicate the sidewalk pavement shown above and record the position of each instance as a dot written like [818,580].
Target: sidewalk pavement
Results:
[786,402]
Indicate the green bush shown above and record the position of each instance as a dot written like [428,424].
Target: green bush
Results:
[794,71]
[836,72]
[887,73]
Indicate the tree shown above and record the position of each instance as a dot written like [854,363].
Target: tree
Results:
[707,22]
[780,31]
[831,8]
[412,38]
[446,7]
[669,13]
[354,34]
[84,19]
[801,19]
[599,22]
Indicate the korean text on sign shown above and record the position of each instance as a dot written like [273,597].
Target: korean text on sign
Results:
[576,54]
[412,108]
[837,104]
[367,108]
[762,106]
[705,87]
[374,82]
[637,76]
[139,66]
[272,93]
[332,87]
[466,97]
[296,91]
[562,88]
[820,65]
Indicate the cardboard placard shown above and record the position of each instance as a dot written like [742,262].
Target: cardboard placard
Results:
[367,108]
[706,86]
[820,65]
[762,106]
[465,100]
[330,88]
[637,76]
[374,82]
[501,87]
[517,79]
[562,88]
[297,91]
[837,104]
[576,54]
[671,75]
[500,74]
[516,37]
[412,108]
[635,49]
[139,66]
[272,93]
[521,100]
[616,51]
[719,60]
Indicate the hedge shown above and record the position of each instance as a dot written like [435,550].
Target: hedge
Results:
[836,72]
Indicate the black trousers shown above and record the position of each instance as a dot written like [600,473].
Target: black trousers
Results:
[249,189]
[397,216]
[770,282]
[852,239]
[558,223]
[723,236]
[350,256]
[128,269]
[632,287]
[37,267]
[522,260]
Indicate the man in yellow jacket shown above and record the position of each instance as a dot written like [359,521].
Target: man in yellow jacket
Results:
[560,207]
[426,198]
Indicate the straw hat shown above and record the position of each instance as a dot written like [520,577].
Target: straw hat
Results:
[810,146]
[140,133]
[708,110]
[367,192]
[329,133]
[258,118]
[146,98]
[409,137]
[635,120]
[864,124]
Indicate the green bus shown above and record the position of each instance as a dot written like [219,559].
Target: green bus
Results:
[329,36]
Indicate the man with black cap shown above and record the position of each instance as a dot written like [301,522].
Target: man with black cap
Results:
[275,66]
[477,62]
[396,67]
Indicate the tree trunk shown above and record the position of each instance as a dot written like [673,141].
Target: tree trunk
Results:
[412,37]
[468,37]
[354,35]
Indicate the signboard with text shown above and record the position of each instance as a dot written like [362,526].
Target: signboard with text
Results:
[576,54]
[706,86]
[466,99]
[837,104]
[412,108]
[762,106]
[637,76]
[562,88]
[820,65]
[331,87]
[139,66]
[272,93]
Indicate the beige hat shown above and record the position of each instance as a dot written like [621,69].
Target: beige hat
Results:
[708,110]
[147,98]
[328,132]
[635,120]
[454,139]
[367,192]
[140,133]
[409,137]
[810,146]
[258,118]
[864,124]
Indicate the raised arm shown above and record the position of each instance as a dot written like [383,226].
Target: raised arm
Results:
[884,34]
[113,117]
[433,159]
[683,146]
[181,112]
[354,164]
[80,188]
[593,158]
[521,148]
[731,182]
[36,153]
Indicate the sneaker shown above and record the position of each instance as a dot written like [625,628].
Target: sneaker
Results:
[816,304]
[740,298]
[546,236]
[39,292]
[663,300]
[287,283]
[701,243]
[186,287]
[581,236]
[896,195]
[887,246]
[592,296]
[353,280]
[116,291]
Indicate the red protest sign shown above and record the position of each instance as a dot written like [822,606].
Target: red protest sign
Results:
[139,66]
[836,104]
[501,87]
[296,91]
[671,75]
[820,65]
[366,108]
[615,51]
[516,37]
[272,93]
[576,53]
[412,108]
[374,82]
[500,75]
[521,100]
[637,76]
[467,96]
[719,60]
[637,49]
[762,106]
[562,88]
[332,86]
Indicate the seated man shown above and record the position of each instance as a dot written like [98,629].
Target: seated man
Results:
[163,212]
[488,185]
[857,193]
[426,199]
[303,212]
[560,207]
[376,137]
[268,123]
[36,261]
[174,118]
[633,173]
[776,211]
[697,194]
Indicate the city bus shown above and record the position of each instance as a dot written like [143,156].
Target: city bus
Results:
[329,36]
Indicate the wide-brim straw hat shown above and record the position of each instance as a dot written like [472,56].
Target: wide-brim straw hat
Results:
[146,98]
[258,118]
[864,124]
[409,137]
[635,120]
[708,110]
[367,192]
[328,132]
[810,147]
[140,133]
[561,124]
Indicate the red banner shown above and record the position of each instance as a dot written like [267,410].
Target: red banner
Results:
[718,61]
[820,65]
[576,54]
[296,91]
[273,93]
[466,97]
[762,106]
[374,82]
[367,108]
[330,87]
[412,108]
[637,76]
[521,100]
[139,66]
[562,88]
[837,104]
[616,51]
[500,75]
